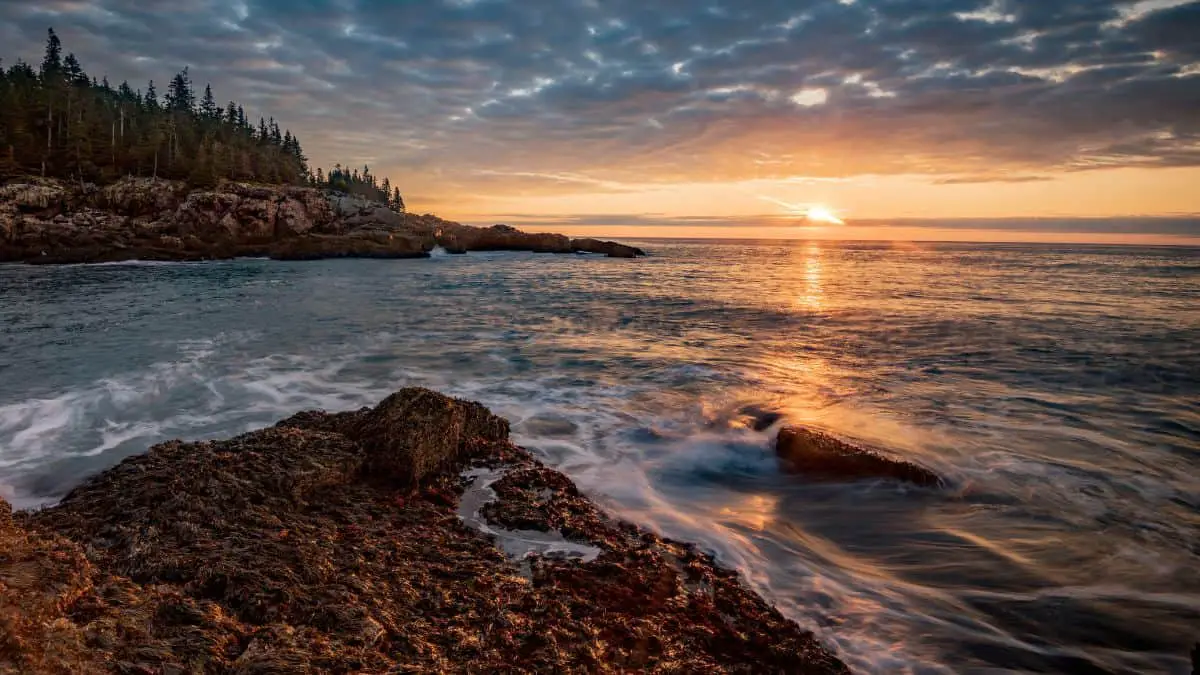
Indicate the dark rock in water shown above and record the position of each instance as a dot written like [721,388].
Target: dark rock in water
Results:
[609,248]
[506,238]
[818,455]
[761,418]
[290,549]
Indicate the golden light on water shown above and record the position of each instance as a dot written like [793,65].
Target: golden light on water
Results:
[812,293]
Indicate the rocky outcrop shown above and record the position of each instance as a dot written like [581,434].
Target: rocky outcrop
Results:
[609,248]
[49,221]
[372,541]
[500,238]
[820,456]
[366,245]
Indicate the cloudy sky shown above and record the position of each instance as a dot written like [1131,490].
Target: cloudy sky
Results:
[702,113]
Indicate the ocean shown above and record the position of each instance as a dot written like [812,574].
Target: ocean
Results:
[1057,388]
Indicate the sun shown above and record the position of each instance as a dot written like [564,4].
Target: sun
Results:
[822,214]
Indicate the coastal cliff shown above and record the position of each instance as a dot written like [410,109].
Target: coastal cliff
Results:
[48,221]
[409,537]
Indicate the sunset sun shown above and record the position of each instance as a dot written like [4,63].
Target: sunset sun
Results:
[821,214]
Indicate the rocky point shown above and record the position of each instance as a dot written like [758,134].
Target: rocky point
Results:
[50,221]
[407,538]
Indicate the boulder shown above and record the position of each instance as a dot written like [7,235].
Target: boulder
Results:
[609,248]
[35,195]
[759,418]
[142,197]
[208,216]
[820,456]
[375,218]
[8,223]
[415,432]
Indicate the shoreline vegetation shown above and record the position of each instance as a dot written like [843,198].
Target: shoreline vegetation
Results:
[95,173]
[408,537]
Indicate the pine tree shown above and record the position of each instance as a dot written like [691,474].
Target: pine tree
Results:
[180,97]
[208,105]
[62,123]
[52,61]
[74,72]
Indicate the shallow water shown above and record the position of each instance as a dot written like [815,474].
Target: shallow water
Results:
[1055,387]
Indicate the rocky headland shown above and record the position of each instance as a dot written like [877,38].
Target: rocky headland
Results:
[409,537]
[48,221]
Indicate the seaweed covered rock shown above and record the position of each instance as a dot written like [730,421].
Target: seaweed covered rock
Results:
[821,456]
[415,431]
[339,543]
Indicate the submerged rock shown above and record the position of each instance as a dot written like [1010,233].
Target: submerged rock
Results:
[335,543]
[821,456]
[760,418]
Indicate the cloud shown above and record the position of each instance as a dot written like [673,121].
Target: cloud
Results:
[969,180]
[1175,226]
[552,96]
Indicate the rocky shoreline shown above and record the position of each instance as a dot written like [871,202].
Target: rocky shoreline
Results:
[46,221]
[409,537]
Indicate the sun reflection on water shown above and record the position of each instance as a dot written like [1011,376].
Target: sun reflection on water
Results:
[813,293]
[755,512]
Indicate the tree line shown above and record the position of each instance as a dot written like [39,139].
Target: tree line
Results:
[59,122]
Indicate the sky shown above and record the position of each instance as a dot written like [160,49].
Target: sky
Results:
[968,119]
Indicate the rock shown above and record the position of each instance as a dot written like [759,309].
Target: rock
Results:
[35,195]
[142,197]
[821,456]
[414,432]
[289,549]
[760,418]
[608,248]
[499,238]
[50,221]
[40,576]
[372,245]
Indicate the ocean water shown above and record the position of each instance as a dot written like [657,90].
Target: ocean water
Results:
[1057,388]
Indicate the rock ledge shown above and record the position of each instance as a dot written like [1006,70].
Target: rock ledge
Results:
[335,543]
[48,221]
